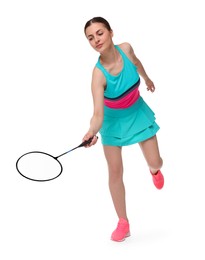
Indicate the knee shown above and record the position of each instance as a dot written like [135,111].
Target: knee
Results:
[156,164]
[115,173]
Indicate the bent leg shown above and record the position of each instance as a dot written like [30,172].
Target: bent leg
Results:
[113,155]
[151,153]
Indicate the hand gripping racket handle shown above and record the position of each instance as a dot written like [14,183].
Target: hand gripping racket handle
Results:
[86,142]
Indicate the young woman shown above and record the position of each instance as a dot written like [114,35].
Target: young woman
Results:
[120,113]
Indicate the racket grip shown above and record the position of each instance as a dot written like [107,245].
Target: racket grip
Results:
[86,142]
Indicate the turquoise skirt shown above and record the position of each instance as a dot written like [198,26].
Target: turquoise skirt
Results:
[128,126]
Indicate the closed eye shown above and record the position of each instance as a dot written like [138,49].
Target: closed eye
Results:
[99,33]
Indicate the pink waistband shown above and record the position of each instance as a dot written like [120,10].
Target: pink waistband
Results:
[125,101]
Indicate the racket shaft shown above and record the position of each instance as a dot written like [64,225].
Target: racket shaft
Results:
[81,145]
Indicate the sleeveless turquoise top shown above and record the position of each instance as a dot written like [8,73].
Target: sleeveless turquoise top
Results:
[118,84]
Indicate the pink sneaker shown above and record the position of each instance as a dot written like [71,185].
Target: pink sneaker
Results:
[122,231]
[158,179]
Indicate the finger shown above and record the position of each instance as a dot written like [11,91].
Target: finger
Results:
[95,139]
[86,141]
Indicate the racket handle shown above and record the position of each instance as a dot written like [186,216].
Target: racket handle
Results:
[86,142]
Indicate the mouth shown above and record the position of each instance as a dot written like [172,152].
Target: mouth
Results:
[99,46]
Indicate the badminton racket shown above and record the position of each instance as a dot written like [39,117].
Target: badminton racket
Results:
[41,166]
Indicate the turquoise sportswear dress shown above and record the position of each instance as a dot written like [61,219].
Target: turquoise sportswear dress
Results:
[127,117]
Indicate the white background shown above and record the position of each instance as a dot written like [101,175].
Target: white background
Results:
[45,104]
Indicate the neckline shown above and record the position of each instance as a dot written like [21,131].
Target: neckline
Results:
[117,75]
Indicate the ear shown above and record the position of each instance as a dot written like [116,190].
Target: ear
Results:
[111,33]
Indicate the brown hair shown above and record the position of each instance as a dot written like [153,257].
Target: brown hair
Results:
[97,19]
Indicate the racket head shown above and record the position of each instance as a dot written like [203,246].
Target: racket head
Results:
[39,166]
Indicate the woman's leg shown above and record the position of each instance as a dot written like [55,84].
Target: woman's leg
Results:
[113,155]
[151,153]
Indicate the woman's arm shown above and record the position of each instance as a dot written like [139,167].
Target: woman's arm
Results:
[127,48]
[97,87]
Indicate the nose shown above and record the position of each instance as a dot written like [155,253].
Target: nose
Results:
[96,39]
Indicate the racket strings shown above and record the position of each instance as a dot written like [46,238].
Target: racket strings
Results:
[39,166]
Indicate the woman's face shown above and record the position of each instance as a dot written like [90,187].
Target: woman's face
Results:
[99,36]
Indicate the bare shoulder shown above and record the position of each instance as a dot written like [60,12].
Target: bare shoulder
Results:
[98,78]
[97,71]
[98,87]
[126,47]
[128,50]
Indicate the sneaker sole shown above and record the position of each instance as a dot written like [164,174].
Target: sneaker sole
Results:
[127,235]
